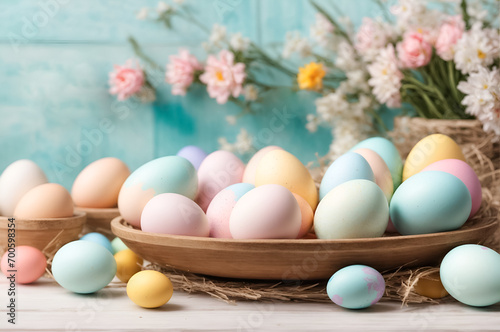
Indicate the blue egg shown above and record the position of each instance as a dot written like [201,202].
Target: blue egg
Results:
[83,267]
[99,239]
[389,153]
[194,154]
[350,166]
[430,202]
[471,274]
[356,287]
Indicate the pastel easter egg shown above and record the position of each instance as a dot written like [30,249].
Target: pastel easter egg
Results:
[388,152]
[383,177]
[174,214]
[219,170]
[118,245]
[17,179]
[471,274]
[194,154]
[219,210]
[99,239]
[356,287]
[83,267]
[350,166]
[283,168]
[430,202]
[353,209]
[170,174]
[307,215]
[98,184]
[48,200]
[465,173]
[149,289]
[251,169]
[28,264]
[429,150]
[266,212]
[127,264]
[430,285]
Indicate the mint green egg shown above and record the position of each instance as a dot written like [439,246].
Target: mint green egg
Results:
[171,174]
[471,274]
[118,245]
[83,267]
[388,152]
[430,202]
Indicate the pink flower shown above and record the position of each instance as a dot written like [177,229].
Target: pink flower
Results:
[223,77]
[371,36]
[414,51]
[126,80]
[180,71]
[449,34]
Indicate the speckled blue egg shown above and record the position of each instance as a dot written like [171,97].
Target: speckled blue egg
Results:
[194,154]
[356,287]
[171,174]
[471,274]
[99,239]
[430,202]
[389,153]
[83,267]
[350,166]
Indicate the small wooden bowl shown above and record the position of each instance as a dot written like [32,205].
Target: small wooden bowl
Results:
[47,235]
[99,220]
[310,259]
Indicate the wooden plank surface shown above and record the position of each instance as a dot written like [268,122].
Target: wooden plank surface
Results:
[45,306]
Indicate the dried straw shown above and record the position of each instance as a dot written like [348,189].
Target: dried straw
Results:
[483,154]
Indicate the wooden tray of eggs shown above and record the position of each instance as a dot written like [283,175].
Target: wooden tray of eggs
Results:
[226,220]
[43,215]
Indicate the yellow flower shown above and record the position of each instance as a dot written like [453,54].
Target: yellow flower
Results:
[311,76]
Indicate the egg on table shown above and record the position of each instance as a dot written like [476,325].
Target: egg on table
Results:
[149,289]
[29,264]
[127,264]
[49,200]
[171,174]
[17,179]
[219,170]
[99,239]
[98,184]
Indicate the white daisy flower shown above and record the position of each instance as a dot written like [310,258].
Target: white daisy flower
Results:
[238,42]
[162,7]
[295,43]
[142,14]
[250,92]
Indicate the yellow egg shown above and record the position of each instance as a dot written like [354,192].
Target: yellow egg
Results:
[49,200]
[127,264]
[283,168]
[430,286]
[429,150]
[149,289]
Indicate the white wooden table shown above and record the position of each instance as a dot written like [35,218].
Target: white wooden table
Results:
[47,306]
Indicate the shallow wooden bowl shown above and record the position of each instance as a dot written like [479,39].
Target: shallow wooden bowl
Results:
[47,235]
[310,259]
[99,220]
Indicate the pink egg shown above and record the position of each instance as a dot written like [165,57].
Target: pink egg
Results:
[307,215]
[267,212]
[219,170]
[28,262]
[222,205]
[464,172]
[383,177]
[174,214]
[390,227]
[251,169]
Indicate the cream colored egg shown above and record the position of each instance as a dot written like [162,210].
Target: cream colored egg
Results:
[283,168]
[383,177]
[49,200]
[251,169]
[98,184]
[17,179]
[429,150]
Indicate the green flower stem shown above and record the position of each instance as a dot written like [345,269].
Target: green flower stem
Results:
[453,83]
[139,53]
[272,61]
[338,27]
[378,119]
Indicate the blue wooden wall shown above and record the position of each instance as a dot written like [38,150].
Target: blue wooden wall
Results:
[55,56]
